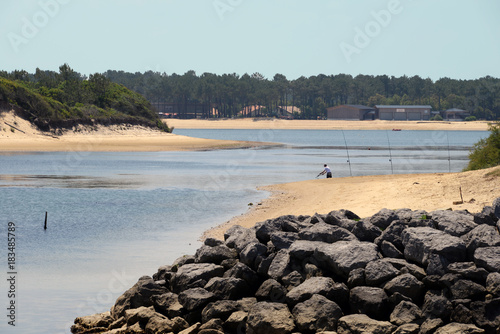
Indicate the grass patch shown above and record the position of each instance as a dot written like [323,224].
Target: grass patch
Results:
[495,173]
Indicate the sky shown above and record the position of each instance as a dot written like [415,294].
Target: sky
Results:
[458,39]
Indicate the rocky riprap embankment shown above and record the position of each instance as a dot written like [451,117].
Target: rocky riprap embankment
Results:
[399,271]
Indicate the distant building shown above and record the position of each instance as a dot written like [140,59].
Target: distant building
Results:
[351,112]
[287,111]
[404,113]
[455,114]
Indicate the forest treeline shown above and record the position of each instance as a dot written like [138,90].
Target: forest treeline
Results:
[228,94]
[66,98]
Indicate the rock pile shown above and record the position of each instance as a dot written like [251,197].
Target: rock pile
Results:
[399,271]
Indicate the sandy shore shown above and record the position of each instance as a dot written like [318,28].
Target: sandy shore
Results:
[17,134]
[249,123]
[366,195]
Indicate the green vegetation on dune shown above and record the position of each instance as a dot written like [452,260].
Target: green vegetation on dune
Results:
[486,152]
[61,100]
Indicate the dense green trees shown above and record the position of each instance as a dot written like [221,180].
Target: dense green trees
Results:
[228,94]
[51,100]
[486,152]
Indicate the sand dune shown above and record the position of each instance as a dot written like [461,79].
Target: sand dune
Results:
[17,134]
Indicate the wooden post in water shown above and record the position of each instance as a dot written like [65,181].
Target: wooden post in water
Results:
[45,225]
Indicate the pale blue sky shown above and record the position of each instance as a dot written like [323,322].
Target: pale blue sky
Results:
[454,38]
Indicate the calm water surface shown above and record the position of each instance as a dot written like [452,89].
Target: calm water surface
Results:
[113,217]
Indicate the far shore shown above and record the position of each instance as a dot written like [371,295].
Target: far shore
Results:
[296,124]
[366,195]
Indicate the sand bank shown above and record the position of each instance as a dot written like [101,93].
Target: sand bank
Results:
[249,123]
[17,134]
[366,195]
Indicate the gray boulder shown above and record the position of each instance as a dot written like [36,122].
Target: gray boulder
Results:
[488,258]
[371,301]
[280,266]
[194,275]
[216,254]
[272,291]
[138,295]
[241,270]
[486,314]
[383,218]
[195,298]
[251,252]
[270,318]
[468,270]
[393,234]
[456,328]
[302,249]
[344,256]
[389,250]
[265,229]
[324,286]
[407,285]
[436,306]
[326,233]
[227,287]
[493,284]
[496,207]
[430,325]
[168,304]
[405,267]
[455,223]
[378,272]
[361,323]
[220,309]
[422,242]
[283,240]
[236,322]
[407,329]
[366,231]
[405,312]
[356,278]
[481,236]
[238,237]
[465,289]
[316,314]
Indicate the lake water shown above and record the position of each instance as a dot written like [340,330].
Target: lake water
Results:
[113,217]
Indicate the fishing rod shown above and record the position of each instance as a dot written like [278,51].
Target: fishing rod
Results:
[390,154]
[347,150]
[449,157]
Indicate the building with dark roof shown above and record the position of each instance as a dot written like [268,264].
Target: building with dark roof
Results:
[403,113]
[455,114]
[351,112]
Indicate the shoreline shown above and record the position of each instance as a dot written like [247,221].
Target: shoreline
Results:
[282,124]
[19,135]
[366,195]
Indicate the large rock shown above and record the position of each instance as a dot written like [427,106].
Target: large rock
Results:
[280,266]
[465,289]
[422,242]
[238,237]
[371,301]
[316,314]
[264,230]
[344,256]
[366,231]
[407,285]
[404,313]
[378,272]
[303,249]
[220,309]
[100,320]
[393,234]
[436,306]
[361,324]
[496,208]
[468,270]
[271,290]
[244,272]
[493,284]
[270,318]
[456,328]
[195,275]
[488,258]
[383,218]
[324,286]
[227,287]
[481,236]
[283,240]
[217,254]
[326,233]
[168,304]
[455,223]
[138,295]
[251,252]
[195,298]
